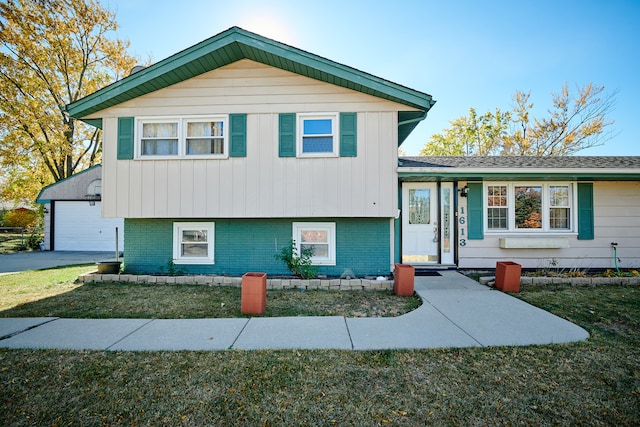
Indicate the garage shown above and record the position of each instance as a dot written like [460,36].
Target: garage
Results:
[73,215]
[79,226]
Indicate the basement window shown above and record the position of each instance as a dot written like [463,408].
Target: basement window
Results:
[193,242]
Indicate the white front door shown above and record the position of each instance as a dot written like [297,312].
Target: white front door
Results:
[420,230]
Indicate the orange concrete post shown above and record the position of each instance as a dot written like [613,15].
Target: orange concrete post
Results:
[254,293]
[508,276]
[403,278]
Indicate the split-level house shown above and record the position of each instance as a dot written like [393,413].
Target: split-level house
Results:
[220,155]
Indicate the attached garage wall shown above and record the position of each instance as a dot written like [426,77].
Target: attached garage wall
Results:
[78,226]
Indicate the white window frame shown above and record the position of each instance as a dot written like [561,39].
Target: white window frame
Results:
[179,227]
[511,221]
[329,227]
[138,137]
[182,136]
[335,127]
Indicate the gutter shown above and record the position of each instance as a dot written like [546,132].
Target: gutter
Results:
[417,119]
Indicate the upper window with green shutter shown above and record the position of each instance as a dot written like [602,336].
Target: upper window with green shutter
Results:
[318,135]
[182,137]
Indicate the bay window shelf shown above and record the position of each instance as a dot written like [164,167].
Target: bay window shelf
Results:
[533,243]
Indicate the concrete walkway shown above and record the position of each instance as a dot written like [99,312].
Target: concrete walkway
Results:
[456,312]
[22,261]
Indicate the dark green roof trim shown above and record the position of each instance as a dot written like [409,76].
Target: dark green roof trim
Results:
[407,121]
[233,45]
[94,122]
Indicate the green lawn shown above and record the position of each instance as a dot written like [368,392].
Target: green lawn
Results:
[596,382]
[53,293]
[29,286]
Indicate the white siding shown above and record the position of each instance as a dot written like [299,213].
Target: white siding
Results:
[261,184]
[47,226]
[616,219]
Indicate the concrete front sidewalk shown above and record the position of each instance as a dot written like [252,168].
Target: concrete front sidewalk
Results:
[456,312]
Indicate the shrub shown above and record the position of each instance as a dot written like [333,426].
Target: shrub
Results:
[34,239]
[298,264]
[20,217]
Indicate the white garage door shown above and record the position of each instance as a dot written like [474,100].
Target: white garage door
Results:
[80,227]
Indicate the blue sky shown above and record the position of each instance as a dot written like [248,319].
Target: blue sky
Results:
[463,53]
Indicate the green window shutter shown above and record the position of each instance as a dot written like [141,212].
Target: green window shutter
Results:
[348,134]
[238,135]
[287,135]
[585,211]
[475,211]
[125,138]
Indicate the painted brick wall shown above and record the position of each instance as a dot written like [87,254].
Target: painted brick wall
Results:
[241,245]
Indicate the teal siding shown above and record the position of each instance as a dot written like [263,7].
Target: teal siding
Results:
[238,135]
[125,138]
[585,211]
[475,211]
[241,245]
[287,135]
[348,134]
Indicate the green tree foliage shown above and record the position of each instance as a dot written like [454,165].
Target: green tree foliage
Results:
[470,135]
[576,121]
[53,52]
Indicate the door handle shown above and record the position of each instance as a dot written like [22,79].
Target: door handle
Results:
[436,232]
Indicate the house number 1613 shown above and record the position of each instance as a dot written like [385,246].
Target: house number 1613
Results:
[462,227]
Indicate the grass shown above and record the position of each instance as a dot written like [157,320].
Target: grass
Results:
[52,293]
[29,286]
[596,382]
[12,242]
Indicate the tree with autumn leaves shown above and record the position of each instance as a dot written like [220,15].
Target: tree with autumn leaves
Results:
[578,119]
[53,52]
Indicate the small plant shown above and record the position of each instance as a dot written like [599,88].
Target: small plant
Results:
[34,239]
[615,273]
[172,270]
[547,270]
[298,264]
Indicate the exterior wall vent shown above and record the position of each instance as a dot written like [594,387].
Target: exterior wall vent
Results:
[136,69]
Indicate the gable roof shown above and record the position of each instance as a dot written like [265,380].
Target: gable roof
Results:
[519,167]
[73,187]
[235,44]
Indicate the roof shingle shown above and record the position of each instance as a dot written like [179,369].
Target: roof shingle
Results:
[522,162]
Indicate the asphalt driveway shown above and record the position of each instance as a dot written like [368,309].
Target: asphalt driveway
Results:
[21,261]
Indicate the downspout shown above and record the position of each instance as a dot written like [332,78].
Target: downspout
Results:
[397,229]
